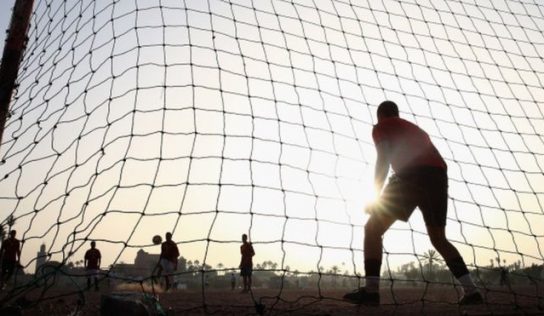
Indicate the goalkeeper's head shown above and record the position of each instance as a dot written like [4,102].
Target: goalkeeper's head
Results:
[387,109]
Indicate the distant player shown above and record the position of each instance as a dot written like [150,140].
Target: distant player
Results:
[420,179]
[246,264]
[10,252]
[232,282]
[168,260]
[91,263]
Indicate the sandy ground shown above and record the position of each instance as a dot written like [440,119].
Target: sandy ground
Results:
[435,300]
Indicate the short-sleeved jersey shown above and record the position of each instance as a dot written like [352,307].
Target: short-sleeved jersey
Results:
[247,255]
[92,256]
[410,146]
[170,251]
[10,249]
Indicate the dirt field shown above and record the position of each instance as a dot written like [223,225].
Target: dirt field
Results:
[436,300]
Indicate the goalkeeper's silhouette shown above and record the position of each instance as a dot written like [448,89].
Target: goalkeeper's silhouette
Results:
[420,180]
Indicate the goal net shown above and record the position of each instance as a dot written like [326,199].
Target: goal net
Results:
[211,119]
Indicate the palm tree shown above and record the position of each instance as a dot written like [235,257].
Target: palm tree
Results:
[220,266]
[431,255]
[2,233]
[10,221]
[4,228]
[334,270]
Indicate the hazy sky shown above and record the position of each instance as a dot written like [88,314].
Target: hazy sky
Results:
[5,16]
[256,117]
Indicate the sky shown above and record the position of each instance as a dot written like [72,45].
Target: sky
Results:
[5,16]
[211,119]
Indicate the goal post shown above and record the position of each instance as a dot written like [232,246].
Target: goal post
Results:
[12,54]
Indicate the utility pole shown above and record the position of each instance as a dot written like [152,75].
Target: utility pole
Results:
[11,58]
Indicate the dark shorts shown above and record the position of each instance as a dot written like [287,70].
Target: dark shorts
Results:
[8,267]
[426,188]
[246,271]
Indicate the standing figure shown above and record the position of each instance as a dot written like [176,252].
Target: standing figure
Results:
[246,264]
[91,263]
[11,255]
[420,180]
[232,282]
[168,260]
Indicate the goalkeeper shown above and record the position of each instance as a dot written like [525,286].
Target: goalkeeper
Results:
[420,180]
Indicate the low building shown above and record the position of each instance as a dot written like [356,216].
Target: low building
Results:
[41,258]
[143,266]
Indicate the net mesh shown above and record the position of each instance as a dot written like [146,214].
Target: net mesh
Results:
[210,119]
